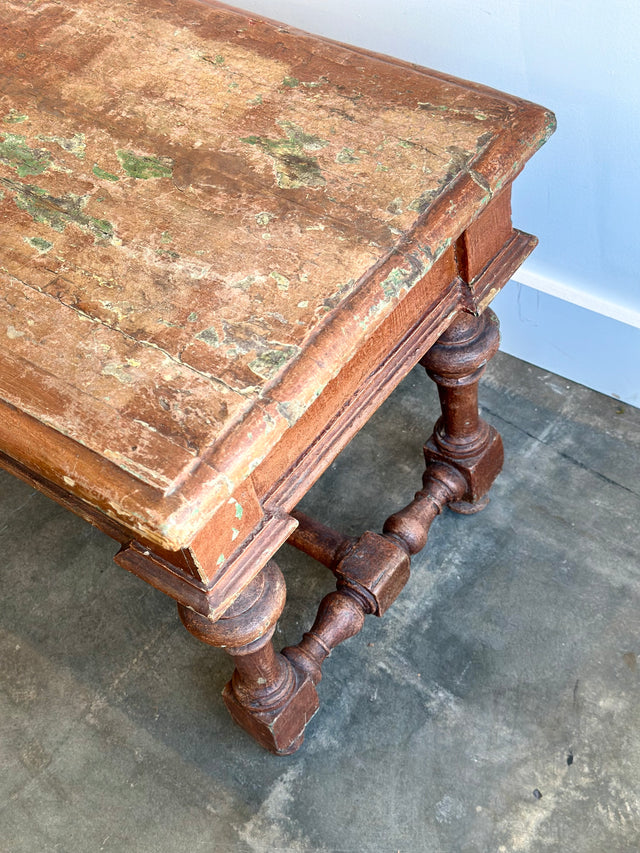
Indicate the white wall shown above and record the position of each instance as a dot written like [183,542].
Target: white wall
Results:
[580,194]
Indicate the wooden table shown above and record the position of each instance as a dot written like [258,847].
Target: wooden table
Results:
[224,242]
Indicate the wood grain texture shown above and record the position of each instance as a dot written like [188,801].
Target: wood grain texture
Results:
[204,217]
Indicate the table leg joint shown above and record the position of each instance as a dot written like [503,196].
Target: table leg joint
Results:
[267,695]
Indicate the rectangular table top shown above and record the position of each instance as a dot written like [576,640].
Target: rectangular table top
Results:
[203,216]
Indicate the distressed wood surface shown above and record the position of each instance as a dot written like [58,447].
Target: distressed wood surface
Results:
[204,216]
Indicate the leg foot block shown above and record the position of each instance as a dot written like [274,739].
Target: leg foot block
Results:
[280,729]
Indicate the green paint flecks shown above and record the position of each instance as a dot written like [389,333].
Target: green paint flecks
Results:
[74,144]
[346,156]
[15,152]
[244,283]
[401,278]
[210,337]
[103,174]
[42,246]
[293,166]
[281,280]
[268,363]
[58,211]
[291,82]
[14,117]
[211,60]
[144,166]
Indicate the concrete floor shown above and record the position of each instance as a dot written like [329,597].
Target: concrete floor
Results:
[508,665]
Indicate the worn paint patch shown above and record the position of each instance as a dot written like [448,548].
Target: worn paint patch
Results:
[209,336]
[291,412]
[58,212]
[42,246]
[268,363]
[103,174]
[401,278]
[15,152]
[119,372]
[244,283]
[264,218]
[459,158]
[293,165]
[145,166]
[281,280]
[14,117]
[168,253]
[481,181]
[291,82]
[13,333]
[347,155]
[75,144]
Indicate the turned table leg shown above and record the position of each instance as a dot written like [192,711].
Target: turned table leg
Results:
[267,695]
[461,437]
[463,457]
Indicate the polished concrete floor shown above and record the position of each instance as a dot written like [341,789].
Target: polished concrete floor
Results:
[495,708]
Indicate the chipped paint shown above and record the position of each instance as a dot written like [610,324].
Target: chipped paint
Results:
[15,117]
[103,174]
[281,280]
[458,161]
[268,363]
[482,182]
[120,372]
[291,412]
[293,165]
[144,166]
[209,336]
[75,144]
[58,212]
[42,246]
[15,152]
[244,283]
[346,155]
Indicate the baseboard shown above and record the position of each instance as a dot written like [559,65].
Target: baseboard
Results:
[569,293]
[561,329]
